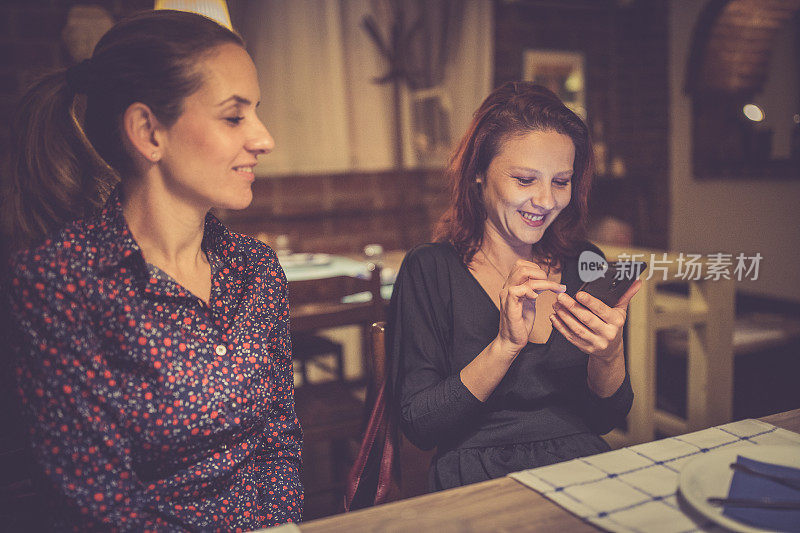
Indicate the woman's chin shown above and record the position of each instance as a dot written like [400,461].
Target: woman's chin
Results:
[238,202]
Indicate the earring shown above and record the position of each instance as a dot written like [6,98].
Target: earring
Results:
[478,180]
[155,156]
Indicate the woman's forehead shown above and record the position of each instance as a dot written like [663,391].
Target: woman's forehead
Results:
[228,72]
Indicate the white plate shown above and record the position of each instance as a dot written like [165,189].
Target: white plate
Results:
[304,260]
[710,474]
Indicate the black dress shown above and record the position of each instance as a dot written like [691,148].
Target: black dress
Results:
[542,411]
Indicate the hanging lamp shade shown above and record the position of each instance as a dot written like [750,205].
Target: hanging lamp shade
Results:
[213,9]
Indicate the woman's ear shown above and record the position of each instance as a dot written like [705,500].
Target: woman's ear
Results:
[142,130]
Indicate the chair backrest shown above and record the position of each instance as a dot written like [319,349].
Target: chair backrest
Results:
[336,301]
[412,462]
[388,466]
[376,366]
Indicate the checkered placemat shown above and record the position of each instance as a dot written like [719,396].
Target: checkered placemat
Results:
[634,489]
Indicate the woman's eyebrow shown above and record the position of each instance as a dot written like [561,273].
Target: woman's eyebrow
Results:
[525,170]
[528,170]
[235,98]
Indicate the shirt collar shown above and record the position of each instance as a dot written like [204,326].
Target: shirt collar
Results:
[119,246]
[219,240]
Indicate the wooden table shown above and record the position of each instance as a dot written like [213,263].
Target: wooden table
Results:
[497,505]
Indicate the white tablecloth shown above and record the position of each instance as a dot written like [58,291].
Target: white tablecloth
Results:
[634,489]
[341,266]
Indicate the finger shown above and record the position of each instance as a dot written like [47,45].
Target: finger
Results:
[523,271]
[518,302]
[568,334]
[596,324]
[626,298]
[600,309]
[576,326]
[520,292]
[544,285]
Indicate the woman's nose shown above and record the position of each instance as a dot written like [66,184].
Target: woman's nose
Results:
[543,197]
[261,142]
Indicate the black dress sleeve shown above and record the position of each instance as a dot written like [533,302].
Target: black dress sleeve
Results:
[604,414]
[432,401]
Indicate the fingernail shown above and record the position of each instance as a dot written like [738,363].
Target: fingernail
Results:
[582,296]
[564,288]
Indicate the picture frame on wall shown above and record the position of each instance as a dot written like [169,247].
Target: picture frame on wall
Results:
[560,71]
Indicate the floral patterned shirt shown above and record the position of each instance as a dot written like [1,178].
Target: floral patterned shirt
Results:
[147,408]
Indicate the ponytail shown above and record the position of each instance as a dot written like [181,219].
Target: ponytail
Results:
[55,173]
[67,150]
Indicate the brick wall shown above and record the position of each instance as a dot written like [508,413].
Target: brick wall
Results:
[340,213]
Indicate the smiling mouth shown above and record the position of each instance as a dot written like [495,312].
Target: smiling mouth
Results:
[531,217]
[248,170]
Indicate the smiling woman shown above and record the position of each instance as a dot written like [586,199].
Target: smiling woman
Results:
[151,344]
[497,360]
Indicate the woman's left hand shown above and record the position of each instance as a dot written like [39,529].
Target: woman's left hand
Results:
[592,326]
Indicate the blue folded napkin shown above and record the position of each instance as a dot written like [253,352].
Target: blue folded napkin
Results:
[745,485]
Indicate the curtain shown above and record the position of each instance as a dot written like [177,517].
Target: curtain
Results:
[317,69]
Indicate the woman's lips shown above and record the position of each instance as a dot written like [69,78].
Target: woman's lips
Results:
[532,219]
[246,171]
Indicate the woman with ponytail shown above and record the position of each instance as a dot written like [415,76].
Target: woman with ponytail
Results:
[152,352]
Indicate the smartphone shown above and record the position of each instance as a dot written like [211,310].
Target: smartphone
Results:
[617,279]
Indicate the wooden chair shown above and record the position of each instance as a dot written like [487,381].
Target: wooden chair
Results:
[409,465]
[331,412]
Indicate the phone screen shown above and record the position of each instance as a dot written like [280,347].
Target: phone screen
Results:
[617,279]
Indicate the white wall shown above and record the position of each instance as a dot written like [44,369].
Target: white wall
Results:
[727,215]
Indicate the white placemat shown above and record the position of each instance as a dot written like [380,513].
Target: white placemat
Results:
[634,489]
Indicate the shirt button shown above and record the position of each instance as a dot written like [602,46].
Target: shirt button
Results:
[221,350]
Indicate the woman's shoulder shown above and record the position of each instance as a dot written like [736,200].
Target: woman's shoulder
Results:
[254,254]
[588,246]
[59,250]
[253,248]
[581,249]
[433,251]
[58,265]
[582,252]
[432,257]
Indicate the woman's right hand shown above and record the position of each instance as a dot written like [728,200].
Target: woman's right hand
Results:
[518,304]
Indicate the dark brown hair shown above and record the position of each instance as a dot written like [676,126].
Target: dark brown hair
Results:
[63,167]
[515,108]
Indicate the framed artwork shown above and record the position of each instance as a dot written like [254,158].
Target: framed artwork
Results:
[560,71]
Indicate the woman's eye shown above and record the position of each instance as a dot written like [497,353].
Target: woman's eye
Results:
[523,181]
[234,120]
[561,183]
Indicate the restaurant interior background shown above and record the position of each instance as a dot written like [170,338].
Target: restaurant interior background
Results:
[362,140]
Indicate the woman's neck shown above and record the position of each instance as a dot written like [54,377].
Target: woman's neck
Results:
[500,253]
[169,231]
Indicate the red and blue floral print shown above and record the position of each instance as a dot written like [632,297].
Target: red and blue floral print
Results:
[147,408]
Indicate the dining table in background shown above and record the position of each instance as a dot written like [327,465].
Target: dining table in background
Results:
[502,504]
[308,266]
